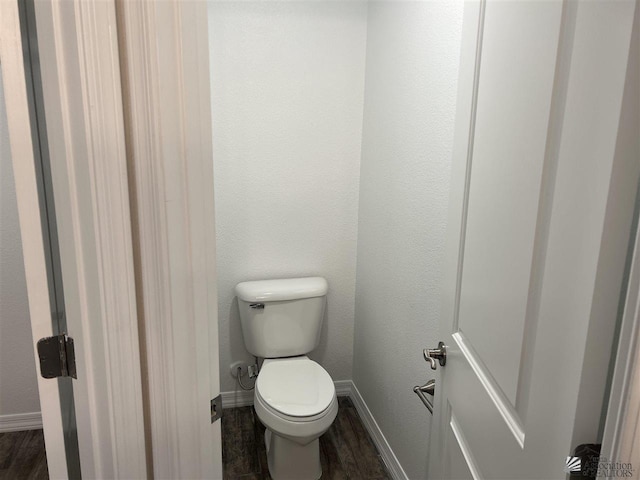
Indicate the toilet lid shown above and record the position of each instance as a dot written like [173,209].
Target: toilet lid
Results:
[297,387]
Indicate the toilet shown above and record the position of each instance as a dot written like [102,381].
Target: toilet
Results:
[294,397]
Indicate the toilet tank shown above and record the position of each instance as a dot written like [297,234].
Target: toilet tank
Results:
[282,318]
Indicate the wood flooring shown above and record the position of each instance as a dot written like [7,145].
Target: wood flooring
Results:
[346,450]
[22,456]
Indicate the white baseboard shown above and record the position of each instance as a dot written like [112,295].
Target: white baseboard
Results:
[389,458]
[20,421]
[344,388]
[237,398]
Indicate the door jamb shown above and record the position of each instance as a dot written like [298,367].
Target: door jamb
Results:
[165,75]
[33,248]
[620,441]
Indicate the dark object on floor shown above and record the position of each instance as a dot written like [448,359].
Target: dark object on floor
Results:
[589,455]
[346,450]
[22,455]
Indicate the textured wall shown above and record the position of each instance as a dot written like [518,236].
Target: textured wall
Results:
[18,381]
[287,99]
[412,64]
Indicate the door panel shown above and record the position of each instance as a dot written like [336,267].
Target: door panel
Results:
[529,203]
[513,105]
[460,463]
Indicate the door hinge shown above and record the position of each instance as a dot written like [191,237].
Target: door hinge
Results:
[57,357]
[216,408]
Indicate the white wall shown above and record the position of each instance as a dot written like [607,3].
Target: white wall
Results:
[18,381]
[411,72]
[287,82]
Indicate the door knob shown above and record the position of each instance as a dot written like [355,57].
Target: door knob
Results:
[433,354]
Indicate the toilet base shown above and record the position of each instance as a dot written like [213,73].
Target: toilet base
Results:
[289,460]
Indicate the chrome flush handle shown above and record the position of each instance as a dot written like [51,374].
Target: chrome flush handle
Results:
[433,354]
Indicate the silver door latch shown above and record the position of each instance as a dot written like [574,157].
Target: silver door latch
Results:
[433,354]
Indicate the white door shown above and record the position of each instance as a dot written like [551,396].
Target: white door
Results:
[540,216]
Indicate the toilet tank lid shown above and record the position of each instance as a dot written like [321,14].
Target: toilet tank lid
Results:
[282,289]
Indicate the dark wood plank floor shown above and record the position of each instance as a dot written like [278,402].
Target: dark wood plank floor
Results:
[22,455]
[346,450]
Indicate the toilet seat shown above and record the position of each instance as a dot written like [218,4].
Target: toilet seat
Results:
[295,428]
[290,419]
[295,388]
[295,385]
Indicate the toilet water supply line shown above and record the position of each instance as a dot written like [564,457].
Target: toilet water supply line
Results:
[252,372]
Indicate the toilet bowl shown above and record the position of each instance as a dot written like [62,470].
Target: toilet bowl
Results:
[296,401]
[294,396]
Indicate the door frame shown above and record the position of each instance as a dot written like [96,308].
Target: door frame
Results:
[620,439]
[134,186]
[83,104]
[33,248]
[165,73]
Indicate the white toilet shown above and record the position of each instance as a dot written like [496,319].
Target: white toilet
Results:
[294,396]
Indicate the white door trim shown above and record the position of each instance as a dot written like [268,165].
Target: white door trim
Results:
[79,59]
[83,105]
[621,442]
[165,65]
[18,422]
[620,439]
[22,154]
